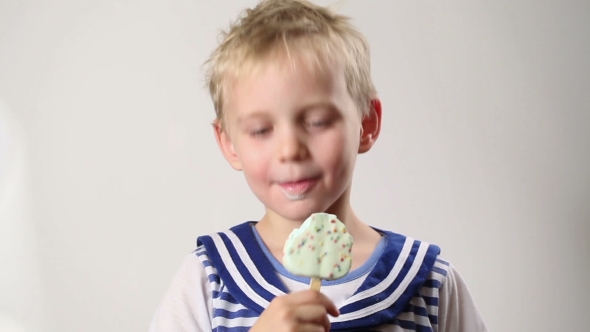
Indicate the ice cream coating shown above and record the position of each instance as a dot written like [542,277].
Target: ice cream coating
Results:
[320,248]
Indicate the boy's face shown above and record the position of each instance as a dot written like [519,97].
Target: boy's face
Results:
[296,136]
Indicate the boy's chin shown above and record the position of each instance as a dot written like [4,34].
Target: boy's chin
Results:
[297,212]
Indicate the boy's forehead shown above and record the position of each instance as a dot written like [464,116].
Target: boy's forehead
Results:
[263,77]
[285,65]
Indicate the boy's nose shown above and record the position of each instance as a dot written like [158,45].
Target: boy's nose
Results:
[292,148]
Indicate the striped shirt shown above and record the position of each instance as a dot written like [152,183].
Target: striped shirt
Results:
[404,286]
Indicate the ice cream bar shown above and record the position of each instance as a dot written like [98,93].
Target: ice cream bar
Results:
[320,249]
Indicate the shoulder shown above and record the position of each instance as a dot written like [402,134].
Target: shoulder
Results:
[441,298]
[441,269]
[188,302]
[195,273]
[196,265]
[457,309]
[443,301]
[206,268]
[451,280]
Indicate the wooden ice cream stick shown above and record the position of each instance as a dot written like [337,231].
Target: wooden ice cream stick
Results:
[316,284]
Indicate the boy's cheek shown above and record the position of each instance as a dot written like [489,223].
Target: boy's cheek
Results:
[253,161]
[256,176]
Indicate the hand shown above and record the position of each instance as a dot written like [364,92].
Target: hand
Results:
[305,311]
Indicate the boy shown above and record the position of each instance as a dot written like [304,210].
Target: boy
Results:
[295,105]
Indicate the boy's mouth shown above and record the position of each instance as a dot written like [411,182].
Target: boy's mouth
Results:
[298,189]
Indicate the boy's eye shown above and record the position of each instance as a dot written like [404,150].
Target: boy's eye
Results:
[318,123]
[260,132]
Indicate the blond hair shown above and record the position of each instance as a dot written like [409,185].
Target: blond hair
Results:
[316,34]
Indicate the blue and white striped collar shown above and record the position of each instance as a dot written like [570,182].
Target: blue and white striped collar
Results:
[250,277]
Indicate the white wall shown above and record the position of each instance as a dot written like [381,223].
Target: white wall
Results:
[21,295]
[485,151]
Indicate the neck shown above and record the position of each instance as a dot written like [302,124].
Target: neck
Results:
[275,229]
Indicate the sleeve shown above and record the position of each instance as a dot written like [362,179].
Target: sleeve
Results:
[187,305]
[457,311]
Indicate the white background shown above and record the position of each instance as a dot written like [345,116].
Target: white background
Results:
[109,170]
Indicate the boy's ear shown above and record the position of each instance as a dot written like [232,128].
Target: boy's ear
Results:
[226,146]
[370,126]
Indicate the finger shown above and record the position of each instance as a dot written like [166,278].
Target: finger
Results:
[312,328]
[313,313]
[310,313]
[311,296]
[331,308]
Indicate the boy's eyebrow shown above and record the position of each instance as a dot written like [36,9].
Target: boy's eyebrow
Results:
[320,104]
[253,115]
[324,104]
